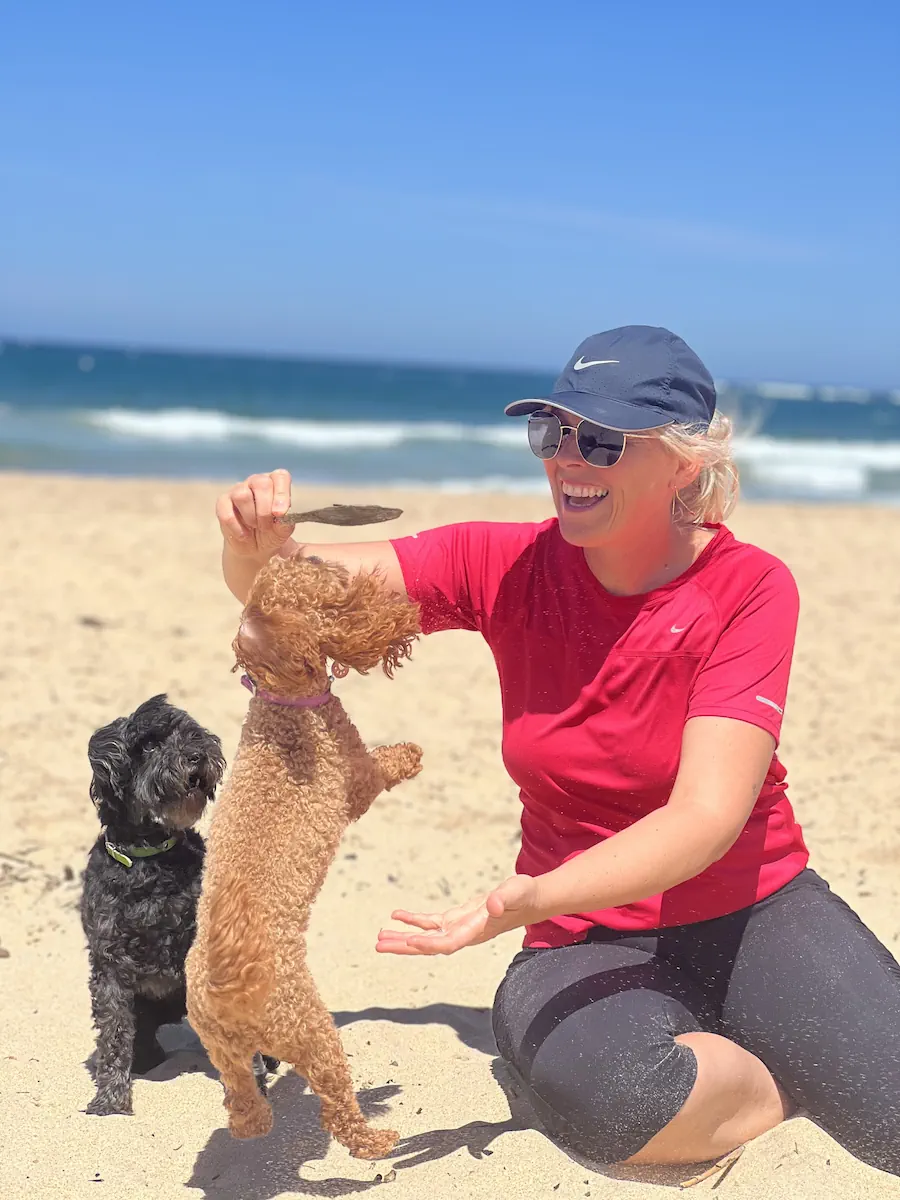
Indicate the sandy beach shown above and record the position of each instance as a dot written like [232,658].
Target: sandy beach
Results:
[112,593]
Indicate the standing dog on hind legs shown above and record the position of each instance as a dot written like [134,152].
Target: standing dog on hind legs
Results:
[300,776]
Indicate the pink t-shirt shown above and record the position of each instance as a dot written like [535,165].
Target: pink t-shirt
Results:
[596,690]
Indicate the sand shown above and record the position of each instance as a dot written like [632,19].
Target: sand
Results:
[112,593]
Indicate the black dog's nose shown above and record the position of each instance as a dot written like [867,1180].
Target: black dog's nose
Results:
[193,781]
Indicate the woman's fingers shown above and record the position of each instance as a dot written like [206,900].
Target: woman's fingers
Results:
[244,502]
[403,948]
[230,523]
[412,943]
[263,490]
[438,936]
[420,920]
[466,925]
[248,513]
[281,498]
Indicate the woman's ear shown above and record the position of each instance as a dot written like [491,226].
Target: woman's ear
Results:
[684,474]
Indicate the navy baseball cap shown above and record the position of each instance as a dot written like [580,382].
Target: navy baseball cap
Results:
[632,378]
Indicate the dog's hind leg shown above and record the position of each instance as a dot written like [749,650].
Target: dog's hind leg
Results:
[148,1053]
[113,1007]
[321,1060]
[151,1010]
[249,1113]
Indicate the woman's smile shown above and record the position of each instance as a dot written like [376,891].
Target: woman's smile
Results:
[580,497]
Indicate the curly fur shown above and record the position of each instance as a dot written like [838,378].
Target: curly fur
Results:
[299,777]
[152,776]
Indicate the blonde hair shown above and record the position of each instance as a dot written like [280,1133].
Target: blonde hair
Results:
[710,498]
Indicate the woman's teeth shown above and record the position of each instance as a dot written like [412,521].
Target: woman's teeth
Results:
[578,489]
[579,496]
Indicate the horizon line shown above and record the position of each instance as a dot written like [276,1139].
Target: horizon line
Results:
[407,364]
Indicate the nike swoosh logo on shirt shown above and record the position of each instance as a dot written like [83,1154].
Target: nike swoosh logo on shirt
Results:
[581,365]
[681,629]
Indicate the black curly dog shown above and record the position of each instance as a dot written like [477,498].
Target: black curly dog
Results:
[153,774]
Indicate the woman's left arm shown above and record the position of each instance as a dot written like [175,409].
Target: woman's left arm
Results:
[722,769]
[730,733]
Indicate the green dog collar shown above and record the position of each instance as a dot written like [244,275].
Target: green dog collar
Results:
[127,860]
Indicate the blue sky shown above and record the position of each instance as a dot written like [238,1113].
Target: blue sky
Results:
[468,182]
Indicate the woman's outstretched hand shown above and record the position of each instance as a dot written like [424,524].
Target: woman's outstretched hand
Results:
[509,906]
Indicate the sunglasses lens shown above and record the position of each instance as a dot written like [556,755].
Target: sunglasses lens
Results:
[599,446]
[544,435]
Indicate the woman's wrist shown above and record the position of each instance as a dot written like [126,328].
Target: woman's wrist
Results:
[239,570]
[545,899]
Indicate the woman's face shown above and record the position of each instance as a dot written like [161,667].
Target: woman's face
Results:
[596,505]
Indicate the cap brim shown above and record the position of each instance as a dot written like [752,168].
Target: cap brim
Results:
[604,410]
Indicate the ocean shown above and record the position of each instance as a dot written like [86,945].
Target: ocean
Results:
[98,410]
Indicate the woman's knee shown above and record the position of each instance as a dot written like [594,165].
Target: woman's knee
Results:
[590,1035]
[607,1107]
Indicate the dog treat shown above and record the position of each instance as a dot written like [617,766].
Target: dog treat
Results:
[344,514]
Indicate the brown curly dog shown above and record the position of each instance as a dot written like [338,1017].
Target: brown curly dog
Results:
[300,775]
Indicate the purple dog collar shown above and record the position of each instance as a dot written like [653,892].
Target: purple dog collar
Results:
[285,701]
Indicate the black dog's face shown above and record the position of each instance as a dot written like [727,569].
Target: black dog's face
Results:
[157,767]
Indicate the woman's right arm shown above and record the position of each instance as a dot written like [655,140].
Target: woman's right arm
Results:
[248,515]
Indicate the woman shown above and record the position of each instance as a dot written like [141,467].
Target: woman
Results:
[685,979]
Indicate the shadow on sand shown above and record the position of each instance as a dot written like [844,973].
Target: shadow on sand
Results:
[261,1170]
[471,1025]
[264,1168]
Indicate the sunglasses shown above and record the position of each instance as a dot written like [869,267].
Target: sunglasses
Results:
[597,445]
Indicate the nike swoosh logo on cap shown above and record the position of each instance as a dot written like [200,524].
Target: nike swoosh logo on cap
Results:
[581,365]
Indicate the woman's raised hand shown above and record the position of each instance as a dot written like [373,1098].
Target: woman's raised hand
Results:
[249,514]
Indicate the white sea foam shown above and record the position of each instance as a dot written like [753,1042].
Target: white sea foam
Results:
[825,469]
[198,425]
[785,391]
[844,470]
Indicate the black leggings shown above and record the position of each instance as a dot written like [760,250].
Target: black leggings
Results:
[797,979]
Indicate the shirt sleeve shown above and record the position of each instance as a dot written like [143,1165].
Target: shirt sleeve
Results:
[746,675]
[444,570]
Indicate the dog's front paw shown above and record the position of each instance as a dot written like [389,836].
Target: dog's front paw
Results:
[410,759]
[110,1104]
[399,762]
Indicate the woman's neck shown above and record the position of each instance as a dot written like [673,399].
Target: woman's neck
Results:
[640,564]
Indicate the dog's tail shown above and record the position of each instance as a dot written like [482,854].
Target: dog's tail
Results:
[240,961]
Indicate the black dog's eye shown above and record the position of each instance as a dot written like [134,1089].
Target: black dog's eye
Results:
[193,781]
